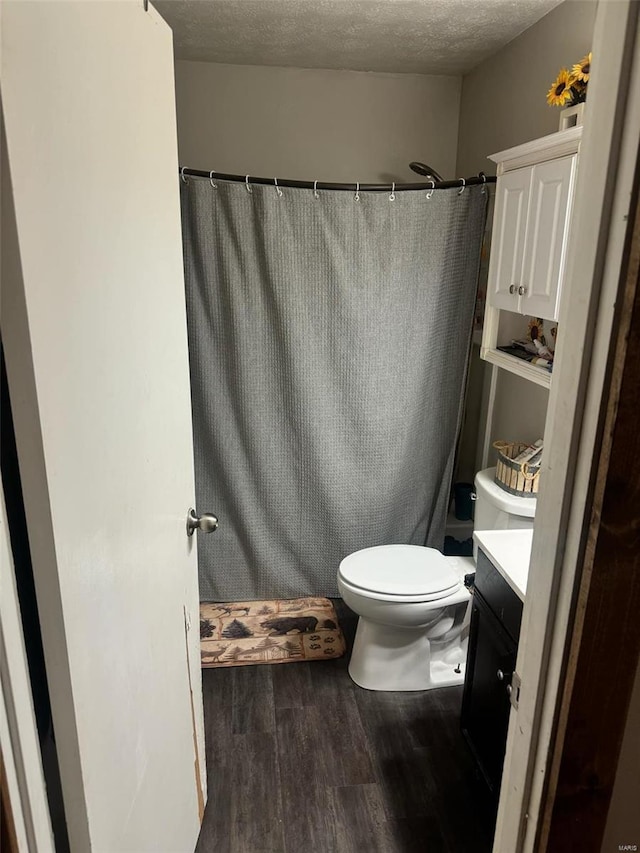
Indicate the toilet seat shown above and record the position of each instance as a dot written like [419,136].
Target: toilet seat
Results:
[452,596]
[399,573]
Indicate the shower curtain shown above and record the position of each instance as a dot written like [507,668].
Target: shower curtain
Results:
[329,339]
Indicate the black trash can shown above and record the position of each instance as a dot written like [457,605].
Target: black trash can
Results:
[462,501]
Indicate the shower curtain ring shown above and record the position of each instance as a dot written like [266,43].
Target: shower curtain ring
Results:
[315,190]
[246,181]
[357,195]
[484,182]
[278,190]
[464,183]
[215,186]
[433,186]
[392,197]
[184,180]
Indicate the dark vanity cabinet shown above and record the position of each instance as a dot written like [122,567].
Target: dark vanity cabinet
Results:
[493,645]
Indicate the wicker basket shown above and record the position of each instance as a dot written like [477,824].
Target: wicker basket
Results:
[517,478]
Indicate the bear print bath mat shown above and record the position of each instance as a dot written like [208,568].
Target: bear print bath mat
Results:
[285,631]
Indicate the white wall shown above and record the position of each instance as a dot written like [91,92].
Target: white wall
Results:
[503,104]
[504,98]
[312,124]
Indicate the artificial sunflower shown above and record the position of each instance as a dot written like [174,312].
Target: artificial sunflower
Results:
[560,93]
[582,69]
[536,330]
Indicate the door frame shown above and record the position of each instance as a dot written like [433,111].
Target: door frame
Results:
[19,744]
[22,770]
[575,417]
[605,643]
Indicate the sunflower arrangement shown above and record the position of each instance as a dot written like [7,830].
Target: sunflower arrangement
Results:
[570,86]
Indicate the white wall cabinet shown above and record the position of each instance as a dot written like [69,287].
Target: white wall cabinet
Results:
[534,196]
[546,237]
[532,206]
[507,244]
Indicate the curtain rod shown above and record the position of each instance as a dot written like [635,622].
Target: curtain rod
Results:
[481,178]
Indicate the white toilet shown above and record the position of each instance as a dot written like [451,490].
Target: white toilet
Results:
[412,602]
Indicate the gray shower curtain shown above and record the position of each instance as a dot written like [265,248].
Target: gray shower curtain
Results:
[328,341]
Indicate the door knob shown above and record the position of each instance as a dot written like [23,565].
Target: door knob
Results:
[207,522]
[522,290]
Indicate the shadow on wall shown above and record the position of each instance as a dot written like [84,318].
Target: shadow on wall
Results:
[409,178]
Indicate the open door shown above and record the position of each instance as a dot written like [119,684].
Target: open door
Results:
[94,329]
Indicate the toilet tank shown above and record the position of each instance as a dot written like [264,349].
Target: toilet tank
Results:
[496,509]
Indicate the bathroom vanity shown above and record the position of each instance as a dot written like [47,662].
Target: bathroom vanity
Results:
[499,590]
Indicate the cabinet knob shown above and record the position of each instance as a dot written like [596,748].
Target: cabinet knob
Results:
[522,290]
[500,675]
[512,288]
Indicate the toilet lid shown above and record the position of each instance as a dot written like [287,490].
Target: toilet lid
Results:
[400,570]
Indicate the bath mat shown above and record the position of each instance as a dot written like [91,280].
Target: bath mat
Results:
[276,631]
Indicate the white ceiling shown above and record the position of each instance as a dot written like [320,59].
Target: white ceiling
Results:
[407,36]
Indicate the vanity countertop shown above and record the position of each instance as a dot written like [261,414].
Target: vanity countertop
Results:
[510,553]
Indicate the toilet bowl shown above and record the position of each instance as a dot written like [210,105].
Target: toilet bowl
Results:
[412,604]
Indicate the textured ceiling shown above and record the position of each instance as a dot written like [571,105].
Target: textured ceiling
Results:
[410,36]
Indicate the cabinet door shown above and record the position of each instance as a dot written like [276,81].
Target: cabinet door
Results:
[508,239]
[485,704]
[547,232]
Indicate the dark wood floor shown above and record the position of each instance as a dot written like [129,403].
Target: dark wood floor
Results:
[300,759]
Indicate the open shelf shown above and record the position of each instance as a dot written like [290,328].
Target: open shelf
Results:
[532,372]
[501,328]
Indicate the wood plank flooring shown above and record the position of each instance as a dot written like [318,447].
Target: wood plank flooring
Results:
[300,759]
